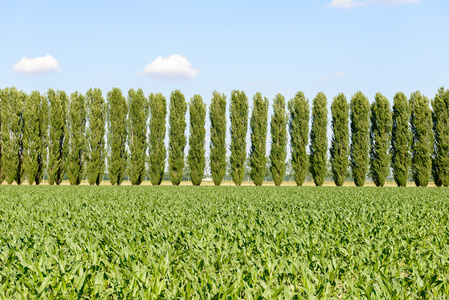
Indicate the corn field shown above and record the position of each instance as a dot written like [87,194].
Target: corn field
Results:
[223,243]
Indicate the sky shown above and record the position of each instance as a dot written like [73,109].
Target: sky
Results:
[262,46]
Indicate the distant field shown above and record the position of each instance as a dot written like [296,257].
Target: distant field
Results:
[223,243]
[244,183]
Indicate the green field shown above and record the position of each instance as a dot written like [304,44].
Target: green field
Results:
[223,242]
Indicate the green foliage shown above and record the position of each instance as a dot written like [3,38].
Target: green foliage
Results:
[422,143]
[217,156]
[440,117]
[400,140]
[35,135]
[30,124]
[177,137]
[117,135]
[258,127]
[196,158]
[223,243]
[77,143]
[298,125]
[1,160]
[239,126]
[158,112]
[58,141]
[278,127]
[380,136]
[340,139]
[359,115]
[138,109]
[95,134]
[12,134]
[318,139]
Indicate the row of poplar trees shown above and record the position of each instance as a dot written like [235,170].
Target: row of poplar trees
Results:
[66,135]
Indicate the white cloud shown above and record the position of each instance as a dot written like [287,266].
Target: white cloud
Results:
[38,65]
[173,67]
[339,74]
[353,3]
[342,3]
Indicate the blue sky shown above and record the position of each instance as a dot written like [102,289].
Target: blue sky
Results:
[267,46]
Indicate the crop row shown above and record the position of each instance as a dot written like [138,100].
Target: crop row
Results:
[223,243]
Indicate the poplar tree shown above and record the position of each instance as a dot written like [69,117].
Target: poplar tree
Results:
[380,137]
[77,132]
[318,139]
[1,142]
[258,126]
[422,143]
[58,136]
[95,132]
[177,137]
[359,115]
[217,116]
[400,140]
[278,151]
[440,117]
[158,113]
[35,114]
[196,158]
[138,107]
[298,125]
[117,135]
[340,139]
[12,134]
[239,126]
